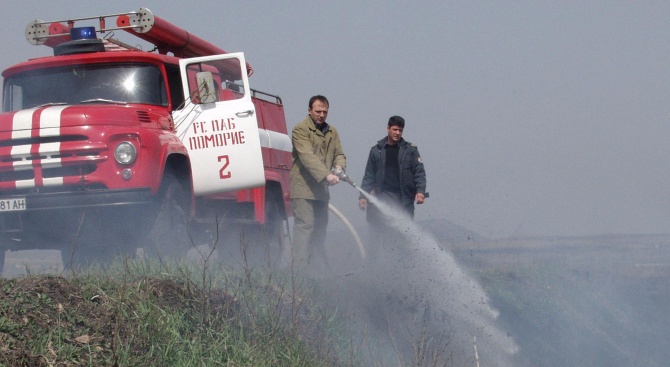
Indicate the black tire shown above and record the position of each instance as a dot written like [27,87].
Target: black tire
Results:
[257,244]
[2,260]
[167,232]
[274,225]
[273,236]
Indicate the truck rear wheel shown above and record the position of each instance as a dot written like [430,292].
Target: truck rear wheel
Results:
[274,225]
[253,244]
[168,221]
[271,236]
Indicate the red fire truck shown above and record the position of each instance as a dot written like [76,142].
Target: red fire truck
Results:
[105,147]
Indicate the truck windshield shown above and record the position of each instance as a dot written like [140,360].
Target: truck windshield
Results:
[79,84]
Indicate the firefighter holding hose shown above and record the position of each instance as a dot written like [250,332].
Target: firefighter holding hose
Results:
[316,150]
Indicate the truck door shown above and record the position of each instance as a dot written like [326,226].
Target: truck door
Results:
[218,124]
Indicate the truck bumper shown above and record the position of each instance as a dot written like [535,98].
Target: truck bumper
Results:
[82,199]
[59,215]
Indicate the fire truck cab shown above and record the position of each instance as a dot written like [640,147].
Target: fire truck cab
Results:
[105,147]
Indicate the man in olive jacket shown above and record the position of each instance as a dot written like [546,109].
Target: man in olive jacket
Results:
[395,175]
[316,150]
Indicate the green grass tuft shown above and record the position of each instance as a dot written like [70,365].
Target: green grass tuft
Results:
[143,313]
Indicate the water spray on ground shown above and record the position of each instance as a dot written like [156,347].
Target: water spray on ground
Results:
[421,280]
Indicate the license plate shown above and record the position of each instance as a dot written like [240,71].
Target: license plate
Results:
[10,205]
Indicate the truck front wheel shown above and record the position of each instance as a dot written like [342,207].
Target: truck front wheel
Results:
[2,260]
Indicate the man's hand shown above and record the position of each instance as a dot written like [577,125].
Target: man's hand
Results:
[363,204]
[332,179]
[419,198]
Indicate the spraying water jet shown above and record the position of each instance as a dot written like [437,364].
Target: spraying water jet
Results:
[421,274]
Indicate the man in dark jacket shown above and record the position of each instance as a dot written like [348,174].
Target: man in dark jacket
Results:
[394,175]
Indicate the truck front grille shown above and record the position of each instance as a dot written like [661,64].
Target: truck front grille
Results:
[48,157]
[41,140]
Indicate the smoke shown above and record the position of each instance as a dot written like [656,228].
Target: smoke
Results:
[409,303]
[414,297]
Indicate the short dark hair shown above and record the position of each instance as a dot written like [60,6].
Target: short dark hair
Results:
[397,121]
[319,98]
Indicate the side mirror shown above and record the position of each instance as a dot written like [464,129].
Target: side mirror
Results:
[206,87]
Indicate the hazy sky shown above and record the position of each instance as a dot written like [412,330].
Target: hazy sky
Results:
[532,117]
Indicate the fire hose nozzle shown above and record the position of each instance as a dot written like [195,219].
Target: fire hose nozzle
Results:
[339,172]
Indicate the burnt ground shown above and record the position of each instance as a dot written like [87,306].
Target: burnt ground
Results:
[580,301]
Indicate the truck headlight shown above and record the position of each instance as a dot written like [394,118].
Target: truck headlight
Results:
[125,153]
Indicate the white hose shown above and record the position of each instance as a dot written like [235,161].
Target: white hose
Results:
[346,222]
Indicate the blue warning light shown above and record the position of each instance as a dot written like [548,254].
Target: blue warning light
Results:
[82,33]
